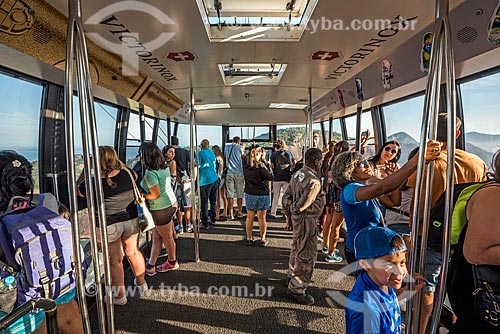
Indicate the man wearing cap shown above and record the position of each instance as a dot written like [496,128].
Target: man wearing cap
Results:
[303,203]
[372,306]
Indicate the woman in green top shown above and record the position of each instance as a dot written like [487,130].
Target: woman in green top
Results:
[162,204]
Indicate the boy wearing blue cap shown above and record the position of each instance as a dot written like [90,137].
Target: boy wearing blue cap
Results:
[372,305]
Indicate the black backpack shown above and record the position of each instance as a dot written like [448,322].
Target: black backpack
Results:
[284,163]
[461,195]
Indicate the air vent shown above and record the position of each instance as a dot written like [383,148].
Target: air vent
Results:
[467,35]
[41,33]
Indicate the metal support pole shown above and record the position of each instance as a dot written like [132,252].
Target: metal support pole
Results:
[74,10]
[76,47]
[359,121]
[308,142]
[194,191]
[330,129]
[441,52]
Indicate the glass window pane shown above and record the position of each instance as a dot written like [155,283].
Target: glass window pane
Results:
[133,138]
[105,116]
[149,125]
[183,132]
[20,115]
[258,133]
[211,132]
[337,131]
[162,133]
[293,135]
[403,121]
[481,116]
[367,124]
[350,123]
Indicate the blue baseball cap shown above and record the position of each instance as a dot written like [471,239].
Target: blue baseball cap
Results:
[374,242]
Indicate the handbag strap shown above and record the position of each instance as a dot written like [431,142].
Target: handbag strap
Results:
[137,193]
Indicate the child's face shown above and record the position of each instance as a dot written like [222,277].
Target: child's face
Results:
[389,270]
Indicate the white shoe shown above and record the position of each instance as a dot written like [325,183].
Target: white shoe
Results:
[141,288]
[120,301]
[443,330]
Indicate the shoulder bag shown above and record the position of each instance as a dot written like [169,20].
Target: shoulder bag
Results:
[145,218]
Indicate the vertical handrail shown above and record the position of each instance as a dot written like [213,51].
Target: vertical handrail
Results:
[192,146]
[308,137]
[451,105]
[441,52]
[70,157]
[77,48]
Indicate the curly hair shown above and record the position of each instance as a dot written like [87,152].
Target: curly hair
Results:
[343,166]
[109,162]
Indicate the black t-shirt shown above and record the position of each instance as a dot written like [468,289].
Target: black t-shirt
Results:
[257,179]
[274,160]
[182,159]
[119,202]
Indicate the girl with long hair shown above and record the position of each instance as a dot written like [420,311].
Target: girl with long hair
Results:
[162,204]
[121,222]
[221,198]
[257,177]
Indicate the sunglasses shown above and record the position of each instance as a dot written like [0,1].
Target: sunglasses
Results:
[363,164]
[387,149]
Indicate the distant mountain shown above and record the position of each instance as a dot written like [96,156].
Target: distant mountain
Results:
[487,142]
[407,142]
[484,155]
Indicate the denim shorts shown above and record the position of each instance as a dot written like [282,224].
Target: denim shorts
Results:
[257,203]
[432,269]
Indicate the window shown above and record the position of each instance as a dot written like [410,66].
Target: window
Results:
[251,133]
[162,133]
[367,124]
[183,133]
[149,124]
[211,132]
[481,116]
[337,131]
[19,119]
[293,135]
[133,138]
[350,123]
[403,121]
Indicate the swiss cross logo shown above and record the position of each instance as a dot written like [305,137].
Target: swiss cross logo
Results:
[181,56]
[325,55]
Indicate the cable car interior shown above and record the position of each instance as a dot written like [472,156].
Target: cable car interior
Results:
[258,70]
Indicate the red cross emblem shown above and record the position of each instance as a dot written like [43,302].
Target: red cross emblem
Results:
[325,55]
[181,56]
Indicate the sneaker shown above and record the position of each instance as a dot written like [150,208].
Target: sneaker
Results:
[333,258]
[167,267]
[264,242]
[303,299]
[204,227]
[212,223]
[189,229]
[324,250]
[249,242]
[230,218]
[239,215]
[150,270]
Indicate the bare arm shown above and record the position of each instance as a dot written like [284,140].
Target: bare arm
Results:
[395,180]
[393,199]
[482,241]
[154,193]
[173,167]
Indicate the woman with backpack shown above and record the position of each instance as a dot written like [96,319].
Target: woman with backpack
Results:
[16,180]
[257,177]
[473,304]
[121,222]
[162,205]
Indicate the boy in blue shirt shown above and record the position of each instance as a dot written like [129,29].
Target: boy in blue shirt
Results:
[372,305]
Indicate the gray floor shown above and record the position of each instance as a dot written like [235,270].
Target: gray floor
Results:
[187,303]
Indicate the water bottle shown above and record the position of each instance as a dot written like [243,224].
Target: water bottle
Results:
[7,284]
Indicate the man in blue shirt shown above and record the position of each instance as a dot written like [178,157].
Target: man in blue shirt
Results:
[208,183]
[235,181]
[372,305]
